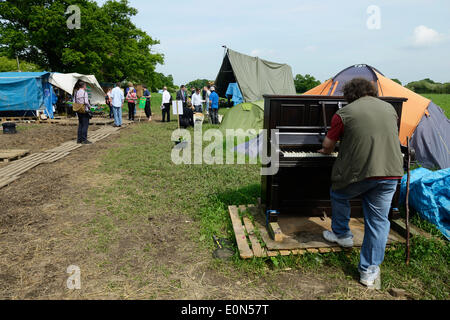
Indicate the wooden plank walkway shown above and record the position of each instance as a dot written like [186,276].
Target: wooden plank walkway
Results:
[74,121]
[13,171]
[5,181]
[253,239]
[12,154]
[17,119]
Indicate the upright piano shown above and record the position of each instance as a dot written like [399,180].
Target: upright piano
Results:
[303,181]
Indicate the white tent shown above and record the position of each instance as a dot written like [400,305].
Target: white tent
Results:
[67,81]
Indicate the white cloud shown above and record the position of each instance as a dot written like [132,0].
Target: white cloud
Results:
[426,37]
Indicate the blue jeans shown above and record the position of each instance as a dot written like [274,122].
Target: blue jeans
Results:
[83,127]
[377,198]
[117,115]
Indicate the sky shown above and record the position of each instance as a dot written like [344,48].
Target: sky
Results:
[404,39]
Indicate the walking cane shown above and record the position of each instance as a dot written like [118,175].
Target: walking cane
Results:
[407,201]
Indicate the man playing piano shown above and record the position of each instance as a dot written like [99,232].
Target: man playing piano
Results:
[369,166]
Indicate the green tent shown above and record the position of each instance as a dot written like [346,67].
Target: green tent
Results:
[245,116]
[254,76]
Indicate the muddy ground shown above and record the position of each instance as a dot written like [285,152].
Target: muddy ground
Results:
[45,227]
[39,137]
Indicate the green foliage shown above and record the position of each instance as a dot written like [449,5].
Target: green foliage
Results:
[398,81]
[10,65]
[429,86]
[305,83]
[108,44]
[159,81]
[199,83]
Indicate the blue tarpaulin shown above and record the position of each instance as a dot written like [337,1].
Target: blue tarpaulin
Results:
[430,196]
[26,91]
[235,93]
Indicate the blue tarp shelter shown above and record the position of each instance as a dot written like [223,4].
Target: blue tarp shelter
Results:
[24,92]
[430,196]
[235,94]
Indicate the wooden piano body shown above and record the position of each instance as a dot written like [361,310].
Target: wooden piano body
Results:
[302,184]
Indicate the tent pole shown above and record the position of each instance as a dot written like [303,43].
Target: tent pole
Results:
[407,203]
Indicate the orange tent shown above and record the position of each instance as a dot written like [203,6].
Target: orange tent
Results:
[432,143]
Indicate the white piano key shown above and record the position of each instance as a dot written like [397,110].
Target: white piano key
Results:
[308,155]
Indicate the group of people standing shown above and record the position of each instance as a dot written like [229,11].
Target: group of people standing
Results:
[199,99]
[116,97]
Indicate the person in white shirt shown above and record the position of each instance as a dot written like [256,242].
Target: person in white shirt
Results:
[207,94]
[166,97]
[197,101]
[117,99]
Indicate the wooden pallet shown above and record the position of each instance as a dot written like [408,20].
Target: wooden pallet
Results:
[253,239]
[65,147]
[13,171]
[23,165]
[102,133]
[74,122]
[17,119]
[54,156]
[11,155]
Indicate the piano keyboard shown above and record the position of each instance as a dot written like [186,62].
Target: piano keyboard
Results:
[287,154]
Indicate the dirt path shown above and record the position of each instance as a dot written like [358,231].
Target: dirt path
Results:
[46,226]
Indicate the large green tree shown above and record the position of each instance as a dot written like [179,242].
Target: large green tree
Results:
[107,44]
[305,83]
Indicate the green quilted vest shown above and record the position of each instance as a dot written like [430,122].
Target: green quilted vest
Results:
[370,146]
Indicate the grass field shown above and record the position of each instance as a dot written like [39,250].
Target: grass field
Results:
[146,183]
[442,100]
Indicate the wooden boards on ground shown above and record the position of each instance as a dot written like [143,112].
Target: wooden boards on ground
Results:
[301,235]
[13,171]
[5,181]
[74,121]
[12,154]
[241,238]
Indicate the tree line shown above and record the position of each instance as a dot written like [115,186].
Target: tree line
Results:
[307,82]
[429,86]
[304,83]
[107,44]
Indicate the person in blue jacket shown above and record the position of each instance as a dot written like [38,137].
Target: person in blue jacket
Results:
[214,109]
